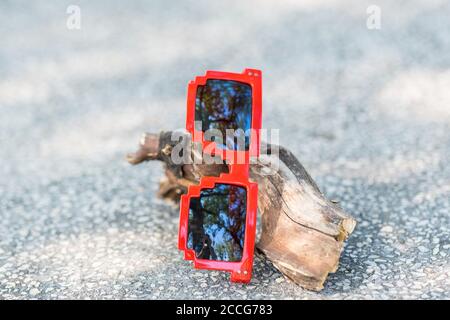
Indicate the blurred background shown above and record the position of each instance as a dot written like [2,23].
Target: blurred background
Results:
[366,110]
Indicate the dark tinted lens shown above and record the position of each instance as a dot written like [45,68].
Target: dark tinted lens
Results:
[222,105]
[216,227]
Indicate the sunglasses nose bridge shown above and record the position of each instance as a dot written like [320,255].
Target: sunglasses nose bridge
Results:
[240,170]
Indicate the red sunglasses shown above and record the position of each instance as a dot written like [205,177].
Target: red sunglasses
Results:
[218,216]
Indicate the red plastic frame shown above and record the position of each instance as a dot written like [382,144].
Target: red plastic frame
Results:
[248,76]
[238,175]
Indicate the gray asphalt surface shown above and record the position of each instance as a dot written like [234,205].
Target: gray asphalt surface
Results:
[366,111]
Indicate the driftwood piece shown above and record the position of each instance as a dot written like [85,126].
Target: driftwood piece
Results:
[302,231]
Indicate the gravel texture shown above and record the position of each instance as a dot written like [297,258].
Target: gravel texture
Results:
[366,111]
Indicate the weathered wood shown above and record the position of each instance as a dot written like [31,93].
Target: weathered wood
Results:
[302,231]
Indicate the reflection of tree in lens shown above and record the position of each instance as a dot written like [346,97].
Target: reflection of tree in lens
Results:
[217,223]
[224,104]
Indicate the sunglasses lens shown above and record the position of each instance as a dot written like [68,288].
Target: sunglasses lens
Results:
[222,105]
[216,226]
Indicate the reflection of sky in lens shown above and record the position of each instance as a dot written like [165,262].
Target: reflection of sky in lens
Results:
[216,228]
[225,104]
